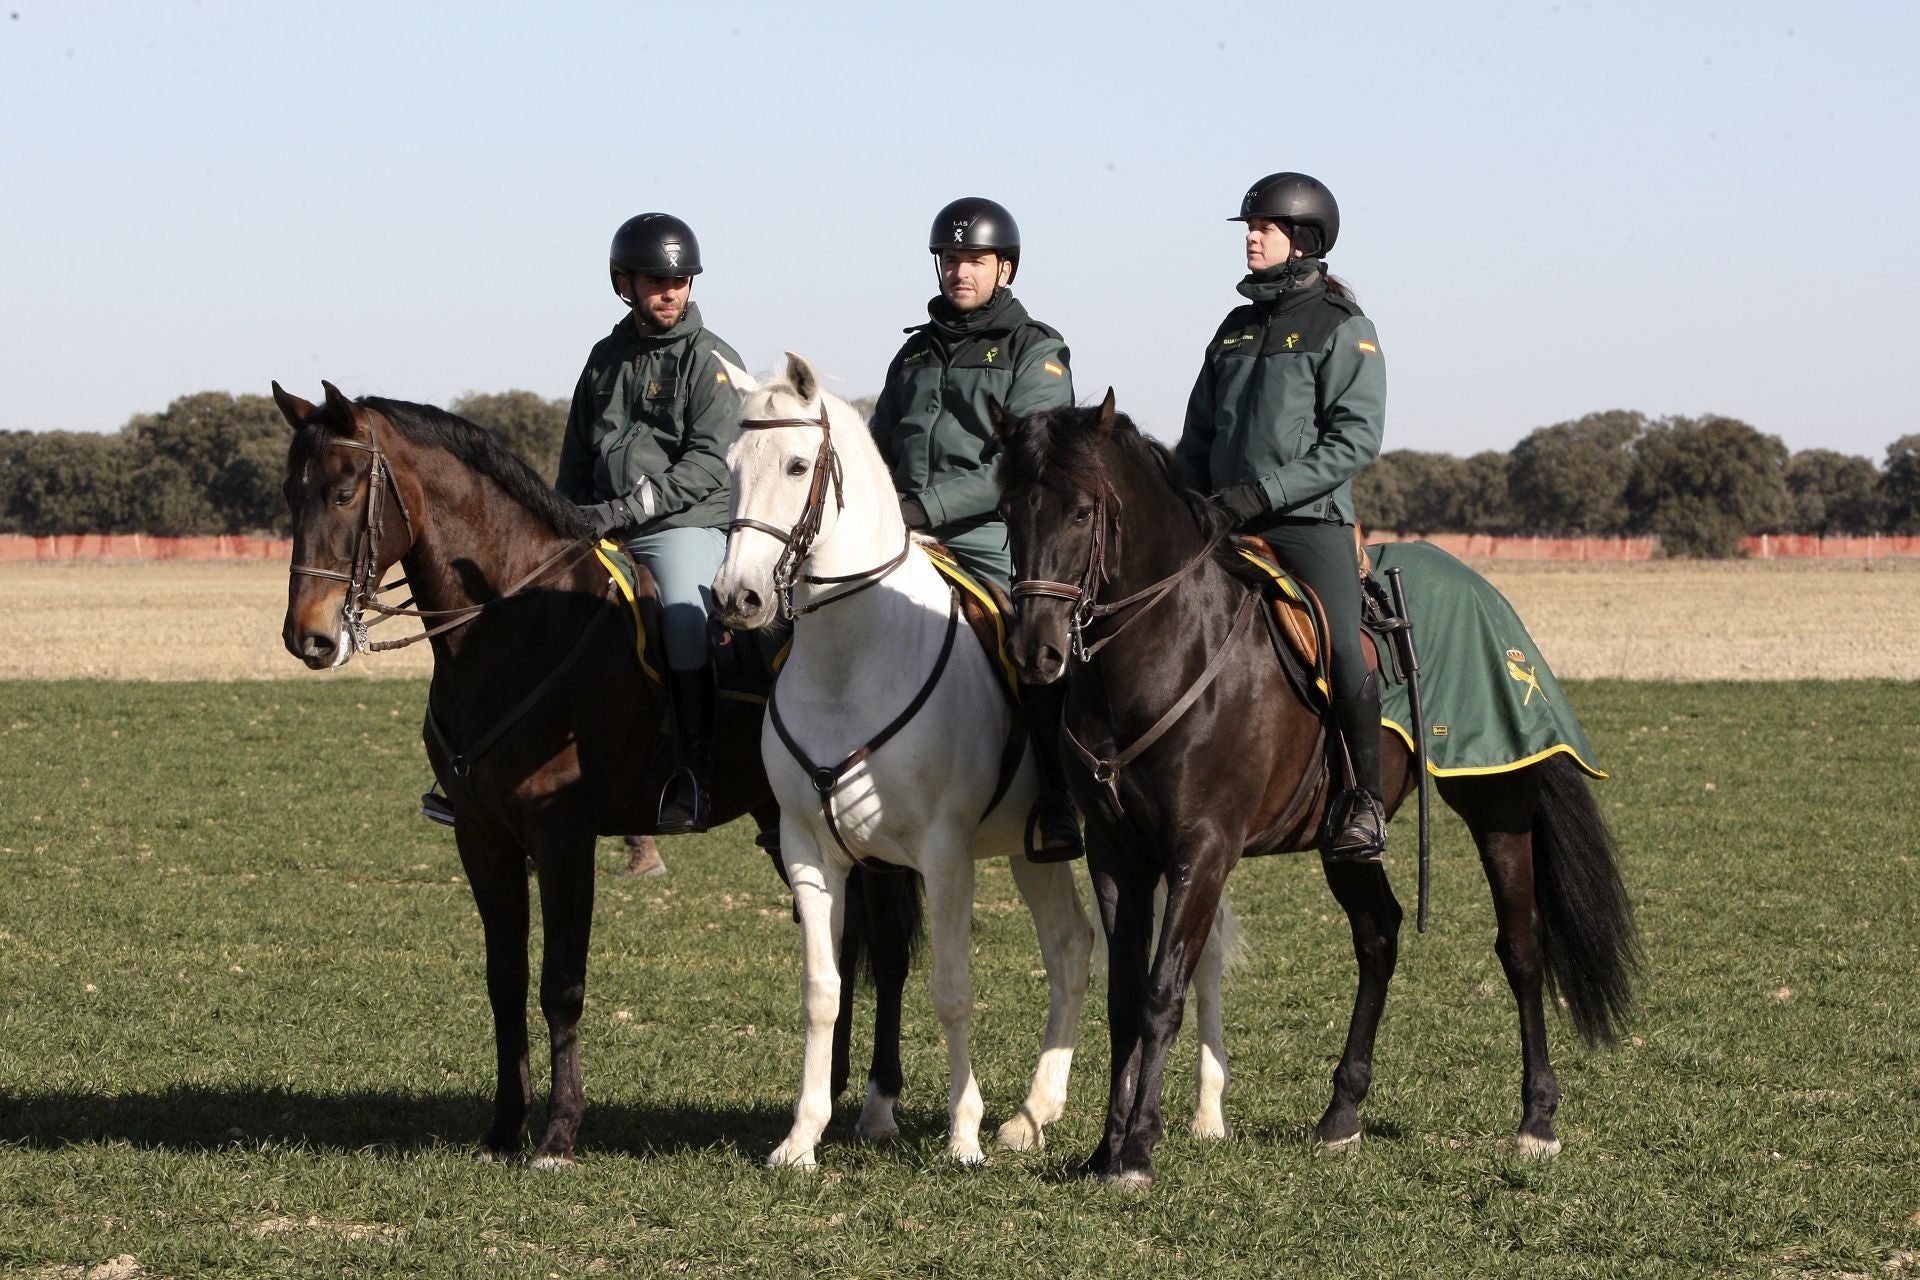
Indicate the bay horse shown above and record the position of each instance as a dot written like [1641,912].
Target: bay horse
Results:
[541,724]
[1209,755]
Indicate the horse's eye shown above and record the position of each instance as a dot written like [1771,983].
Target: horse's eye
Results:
[341,497]
[798,467]
[1083,513]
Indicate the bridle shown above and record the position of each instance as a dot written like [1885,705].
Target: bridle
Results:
[1082,596]
[798,541]
[363,591]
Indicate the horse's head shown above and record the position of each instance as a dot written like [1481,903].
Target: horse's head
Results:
[350,521]
[1067,478]
[802,461]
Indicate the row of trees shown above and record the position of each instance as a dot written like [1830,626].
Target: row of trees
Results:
[1699,484]
[213,463]
[208,463]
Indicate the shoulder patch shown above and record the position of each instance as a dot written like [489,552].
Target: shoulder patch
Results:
[1369,348]
[1054,369]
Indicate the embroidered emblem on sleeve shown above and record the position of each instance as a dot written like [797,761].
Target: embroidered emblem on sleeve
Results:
[1054,369]
[1369,348]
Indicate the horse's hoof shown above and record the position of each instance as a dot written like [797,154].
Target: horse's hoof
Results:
[1532,1148]
[877,1132]
[486,1154]
[1208,1126]
[1140,1180]
[550,1164]
[1346,1143]
[967,1155]
[1020,1134]
[785,1157]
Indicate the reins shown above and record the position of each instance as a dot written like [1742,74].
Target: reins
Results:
[363,595]
[1082,599]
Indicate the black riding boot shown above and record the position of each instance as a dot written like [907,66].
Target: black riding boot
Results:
[686,802]
[1053,818]
[1359,832]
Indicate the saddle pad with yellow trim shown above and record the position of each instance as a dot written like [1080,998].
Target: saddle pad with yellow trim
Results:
[1491,703]
[986,608]
[744,661]
[1299,619]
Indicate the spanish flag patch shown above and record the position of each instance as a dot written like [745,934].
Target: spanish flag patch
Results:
[1369,348]
[1054,369]
[720,375]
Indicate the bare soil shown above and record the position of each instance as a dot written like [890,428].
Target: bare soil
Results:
[1664,620]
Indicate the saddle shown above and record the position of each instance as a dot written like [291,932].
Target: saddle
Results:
[1296,618]
[986,609]
[745,663]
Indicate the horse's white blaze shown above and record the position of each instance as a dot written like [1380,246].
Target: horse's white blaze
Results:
[917,801]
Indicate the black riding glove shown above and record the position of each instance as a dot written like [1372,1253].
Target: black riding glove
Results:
[1246,502]
[608,517]
[913,513]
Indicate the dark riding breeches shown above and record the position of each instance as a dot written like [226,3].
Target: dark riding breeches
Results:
[1322,556]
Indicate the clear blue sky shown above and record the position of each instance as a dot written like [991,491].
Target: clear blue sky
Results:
[1548,208]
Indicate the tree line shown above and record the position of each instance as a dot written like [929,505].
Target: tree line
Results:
[213,463]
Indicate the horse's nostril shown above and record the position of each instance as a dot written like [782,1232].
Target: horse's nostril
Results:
[749,600]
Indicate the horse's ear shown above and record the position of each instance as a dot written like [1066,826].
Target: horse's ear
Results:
[339,408]
[292,407]
[1105,424]
[1004,423]
[743,382]
[806,383]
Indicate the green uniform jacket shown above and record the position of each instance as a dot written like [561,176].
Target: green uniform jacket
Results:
[931,419]
[658,407]
[1292,397]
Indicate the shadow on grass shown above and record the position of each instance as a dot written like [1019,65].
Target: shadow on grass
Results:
[192,1118]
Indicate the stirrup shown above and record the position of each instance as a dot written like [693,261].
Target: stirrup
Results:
[1360,846]
[436,806]
[692,815]
[1060,849]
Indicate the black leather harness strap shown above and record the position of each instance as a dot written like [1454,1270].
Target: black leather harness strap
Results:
[826,777]
[1108,769]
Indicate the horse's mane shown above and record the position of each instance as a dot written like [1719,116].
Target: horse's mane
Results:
[485,452]
[1063,449]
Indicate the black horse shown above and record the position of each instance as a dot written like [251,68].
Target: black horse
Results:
[540,721]
[1124,567]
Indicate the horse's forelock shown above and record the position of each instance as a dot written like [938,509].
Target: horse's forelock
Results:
[1064,450]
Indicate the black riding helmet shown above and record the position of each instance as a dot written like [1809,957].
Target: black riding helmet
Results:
[653,244]
[975,222]
[1299,203]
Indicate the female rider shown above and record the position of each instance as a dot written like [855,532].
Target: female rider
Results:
[1289,406]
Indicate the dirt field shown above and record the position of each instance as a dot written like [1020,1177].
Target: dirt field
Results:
[1749,620]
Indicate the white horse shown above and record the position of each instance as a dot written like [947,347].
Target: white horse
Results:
[897,714]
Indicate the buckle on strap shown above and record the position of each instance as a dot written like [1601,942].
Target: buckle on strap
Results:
[823,778]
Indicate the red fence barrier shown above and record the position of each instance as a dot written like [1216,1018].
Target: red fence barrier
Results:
[1477,546]
[140,546]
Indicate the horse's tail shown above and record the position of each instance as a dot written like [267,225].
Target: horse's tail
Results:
[883,913]
[1586,921]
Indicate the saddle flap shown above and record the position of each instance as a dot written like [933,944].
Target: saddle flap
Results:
[986,607]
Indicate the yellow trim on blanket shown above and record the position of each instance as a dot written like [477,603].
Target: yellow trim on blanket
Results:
[1535,758]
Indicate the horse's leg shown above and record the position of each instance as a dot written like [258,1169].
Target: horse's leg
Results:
[819,892]
[498,878]
[893,912]
[566,919]
[1123,887]
[1373,914]
[948,867]
[852,951]
[1498,811]
[1210,1069]
[1193,897]
[1066,947]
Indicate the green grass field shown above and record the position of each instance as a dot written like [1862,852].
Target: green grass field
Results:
[243,1032]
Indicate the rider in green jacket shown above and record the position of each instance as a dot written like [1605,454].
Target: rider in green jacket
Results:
[931,424]
[646,454]
[1289,406]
